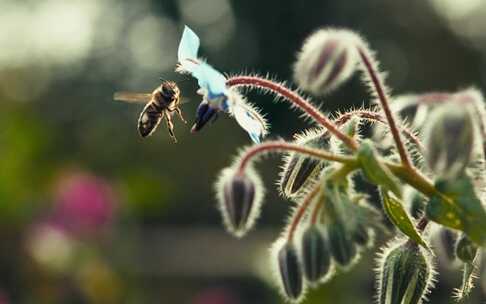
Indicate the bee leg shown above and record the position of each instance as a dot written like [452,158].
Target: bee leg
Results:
[170,127]
[179,112]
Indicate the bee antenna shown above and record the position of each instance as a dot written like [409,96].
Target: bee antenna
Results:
[162,79]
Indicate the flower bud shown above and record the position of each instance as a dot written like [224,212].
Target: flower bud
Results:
[415,202]
[327,59]
[316,256]
[405,275]
[240,197]
[449,140]
[343,248]
[366,219]
[465,249]
[447,240]
[361,235]
[290,271]
[340,220]
[299,170]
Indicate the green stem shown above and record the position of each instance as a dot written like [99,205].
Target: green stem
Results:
[337,175]
[417,180]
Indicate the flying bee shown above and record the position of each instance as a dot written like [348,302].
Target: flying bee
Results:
[161,103]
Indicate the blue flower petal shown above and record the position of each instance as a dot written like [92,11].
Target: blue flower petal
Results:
[208,78]
[250,120]
[187,53]
[211,80]
[188,46]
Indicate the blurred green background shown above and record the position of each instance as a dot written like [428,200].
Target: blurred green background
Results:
[91,213]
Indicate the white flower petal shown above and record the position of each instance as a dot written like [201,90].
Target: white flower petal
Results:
[250,120]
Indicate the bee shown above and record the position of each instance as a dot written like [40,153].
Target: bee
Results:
[161,103]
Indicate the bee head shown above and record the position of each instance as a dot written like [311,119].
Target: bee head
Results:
[169,89]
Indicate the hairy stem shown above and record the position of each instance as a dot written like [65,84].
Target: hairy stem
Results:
[295,99]
[376,117]
[276,146]
[380,91]
[422,224]
[301,211]
[316,212]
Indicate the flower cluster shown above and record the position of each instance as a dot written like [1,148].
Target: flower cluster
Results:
[426,158]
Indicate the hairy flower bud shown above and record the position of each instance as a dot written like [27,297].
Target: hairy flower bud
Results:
[465,249]
[447,240]
[361,235]
[405,275]
[288,269]
[316,256]
[341,220]
[327,59]
[240,197]
[416,203]
[449,140]
[343,248]
[299,170]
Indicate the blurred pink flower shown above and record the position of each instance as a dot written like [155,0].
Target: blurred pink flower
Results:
[3,298]
[85,204]
[216,296]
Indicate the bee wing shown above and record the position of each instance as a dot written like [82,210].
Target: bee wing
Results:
[132,97]
[149,120]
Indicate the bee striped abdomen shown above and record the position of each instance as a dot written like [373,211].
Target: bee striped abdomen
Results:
[149,119]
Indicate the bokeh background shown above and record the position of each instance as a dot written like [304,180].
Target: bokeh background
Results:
[91,213]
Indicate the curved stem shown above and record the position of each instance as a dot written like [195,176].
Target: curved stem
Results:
[376,117]
[295,99]
[301,211]
[422,224]
[417,180]
[335,175]
[376,80]
[316,212]
[283,146]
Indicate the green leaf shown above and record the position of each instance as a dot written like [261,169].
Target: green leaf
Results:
[399,217]
[375,171]
[459,208]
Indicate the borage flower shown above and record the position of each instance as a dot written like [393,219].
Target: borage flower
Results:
[217,96]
